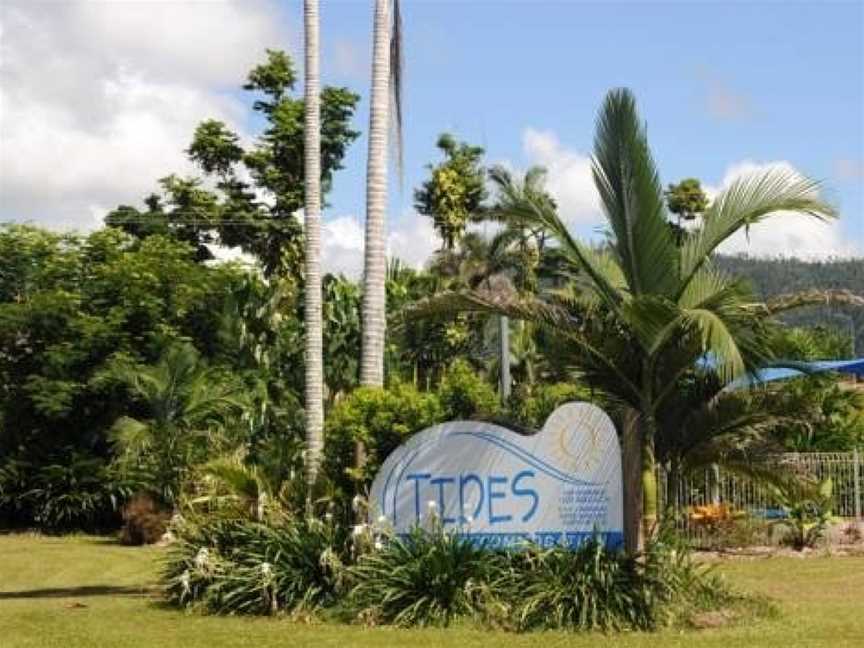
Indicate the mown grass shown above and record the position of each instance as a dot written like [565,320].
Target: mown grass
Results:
[90,592]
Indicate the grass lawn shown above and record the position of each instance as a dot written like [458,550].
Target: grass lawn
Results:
[84,591]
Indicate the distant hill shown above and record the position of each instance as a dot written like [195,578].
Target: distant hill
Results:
[772,277]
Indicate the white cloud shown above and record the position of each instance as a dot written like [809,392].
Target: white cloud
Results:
[98,99]
[785,234]
[568,179]
[412,240]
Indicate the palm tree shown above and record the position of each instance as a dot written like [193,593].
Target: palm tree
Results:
[187,406]
[386,85]
[314,364]
[640,312]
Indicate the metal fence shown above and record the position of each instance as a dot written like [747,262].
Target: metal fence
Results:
[738,493]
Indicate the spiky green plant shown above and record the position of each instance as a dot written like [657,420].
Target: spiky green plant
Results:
[426,578]
[238,566]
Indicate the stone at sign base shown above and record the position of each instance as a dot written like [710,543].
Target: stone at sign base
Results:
[499,488]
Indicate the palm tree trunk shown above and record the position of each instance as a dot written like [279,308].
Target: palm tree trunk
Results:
[374,266]
[649,487]
[312,230]
[631,467]
[504,356]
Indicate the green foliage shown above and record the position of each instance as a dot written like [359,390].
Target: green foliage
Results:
[686,199]
[426,578]
[381,419]
[237,566]
[232,215]
[72,491]
[187,407]
[820,414]
[465,395]
[808,511]
[456,190]
[589,588]
[531,405]
[341,335]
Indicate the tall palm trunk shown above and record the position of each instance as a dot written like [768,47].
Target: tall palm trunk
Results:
[631,467]
[374,265]
[312,230]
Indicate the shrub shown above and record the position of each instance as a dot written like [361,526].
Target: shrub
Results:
[589,588]
[380,418]
[426,578]
[74,491]
[808,511]
[237,566]
[466,395]
[144,522]
[531,405]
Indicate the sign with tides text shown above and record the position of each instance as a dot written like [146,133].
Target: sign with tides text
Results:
[500,488]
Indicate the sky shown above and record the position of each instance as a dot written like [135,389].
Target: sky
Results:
[98,99]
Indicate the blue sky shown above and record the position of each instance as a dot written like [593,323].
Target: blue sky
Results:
[724,87]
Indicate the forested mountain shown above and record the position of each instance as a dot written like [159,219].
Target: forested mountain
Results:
[786,275]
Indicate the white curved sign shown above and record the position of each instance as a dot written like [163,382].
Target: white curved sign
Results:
[500,488]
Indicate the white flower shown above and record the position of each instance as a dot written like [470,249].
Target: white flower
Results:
[266,569]
[382,519]
[185,580]
[202,558]
[468,519]
[431,505]
[379,545]
[356,503]
[328,516]
[358,530]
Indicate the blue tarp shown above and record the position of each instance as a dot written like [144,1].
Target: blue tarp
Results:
[855,367]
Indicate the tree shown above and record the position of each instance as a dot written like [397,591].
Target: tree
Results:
[312,312]
[640,312]
[456,190]
[235,214]
[687,201]
[386,85]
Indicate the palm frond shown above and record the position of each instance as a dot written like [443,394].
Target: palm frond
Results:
[632,198]
[815,297]
[747,201]
[397,72]
[521,307]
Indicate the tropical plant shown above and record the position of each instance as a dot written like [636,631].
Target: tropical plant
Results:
[455,192]
[187,408]
[234,215]
[587,588]
[640,312]
[73,490]
[807,506]
[380,419]
[465,395]
[531,404]
[237,566]
[426,578]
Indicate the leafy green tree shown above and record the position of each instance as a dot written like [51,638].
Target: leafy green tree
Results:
[641,312]
[235,214]
[456,190]
[687,201]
